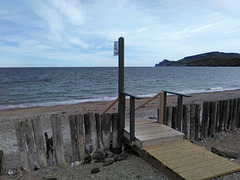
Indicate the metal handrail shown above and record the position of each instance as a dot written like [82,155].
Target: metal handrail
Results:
[177,93]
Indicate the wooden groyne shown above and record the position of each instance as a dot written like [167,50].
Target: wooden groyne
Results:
[206,119]
[89,133]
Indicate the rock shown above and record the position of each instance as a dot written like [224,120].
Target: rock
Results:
[87,160]
[120,157]
[98,156]
[109,153]
[95,170]
[108,162]
[116,150]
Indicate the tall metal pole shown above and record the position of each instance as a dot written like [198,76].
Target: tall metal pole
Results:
[121,95]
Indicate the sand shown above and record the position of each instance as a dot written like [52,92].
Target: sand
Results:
[7,117]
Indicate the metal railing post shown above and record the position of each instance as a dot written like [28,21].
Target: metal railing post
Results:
[132,119]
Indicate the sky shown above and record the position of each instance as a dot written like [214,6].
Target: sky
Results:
[81,33]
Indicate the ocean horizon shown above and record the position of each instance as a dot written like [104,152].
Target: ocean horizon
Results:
[23,87]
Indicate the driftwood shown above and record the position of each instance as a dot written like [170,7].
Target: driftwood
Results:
[225,154]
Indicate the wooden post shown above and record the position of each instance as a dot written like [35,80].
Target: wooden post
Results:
[218,116]
[192,121]
[21,144]
[212,117]
[2,163]
[161,108]
[221,120]
[106,127]
[174,117]
[99,131]
[186,121]
[58,149]
[169,116]
[132,119]
[230,119]
[38,134]
[234,115]
[73,133]
[238,113]
[121,95]
[205,119]
[91,122]
[179,112]
[225,113]
[115,129]
[79,118]
[32,154]
[197,121]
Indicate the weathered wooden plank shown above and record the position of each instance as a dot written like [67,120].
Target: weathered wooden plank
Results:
[29,136]
[115,128]
[212,117]
[79,118]
[238,113]
[22,144]
[234,114]
[38,134]
[225,113]
[87,135]
[186,121]
[106,127]
[192,121]
[230,119]
[218,116]
[58,149]
[99,131]
[205,119]
[73,133]
[197,121]
[91,121]
[221,121]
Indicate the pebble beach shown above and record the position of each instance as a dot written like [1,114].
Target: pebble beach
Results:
[136,167]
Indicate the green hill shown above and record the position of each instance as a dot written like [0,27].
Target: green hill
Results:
[205,59]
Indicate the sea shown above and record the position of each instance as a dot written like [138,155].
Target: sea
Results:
[33,87]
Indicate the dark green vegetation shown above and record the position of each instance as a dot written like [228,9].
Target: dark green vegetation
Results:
[205,59]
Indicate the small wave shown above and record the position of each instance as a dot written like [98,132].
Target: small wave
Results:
[48,104]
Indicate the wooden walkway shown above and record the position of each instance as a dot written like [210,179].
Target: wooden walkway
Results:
[165,149]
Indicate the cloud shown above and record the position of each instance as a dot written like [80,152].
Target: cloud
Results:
[83,32]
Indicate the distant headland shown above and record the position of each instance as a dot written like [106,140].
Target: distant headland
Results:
[205,59]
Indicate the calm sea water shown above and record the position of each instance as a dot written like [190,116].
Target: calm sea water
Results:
[29,87]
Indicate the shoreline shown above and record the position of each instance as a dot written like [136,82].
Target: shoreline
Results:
[100,106]
[7,117]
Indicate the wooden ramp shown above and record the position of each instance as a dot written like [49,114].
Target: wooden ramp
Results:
[178,158]
[147,134]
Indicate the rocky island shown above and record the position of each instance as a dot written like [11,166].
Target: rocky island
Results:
[205,59]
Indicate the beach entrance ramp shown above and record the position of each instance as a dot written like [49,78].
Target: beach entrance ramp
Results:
[165,149]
